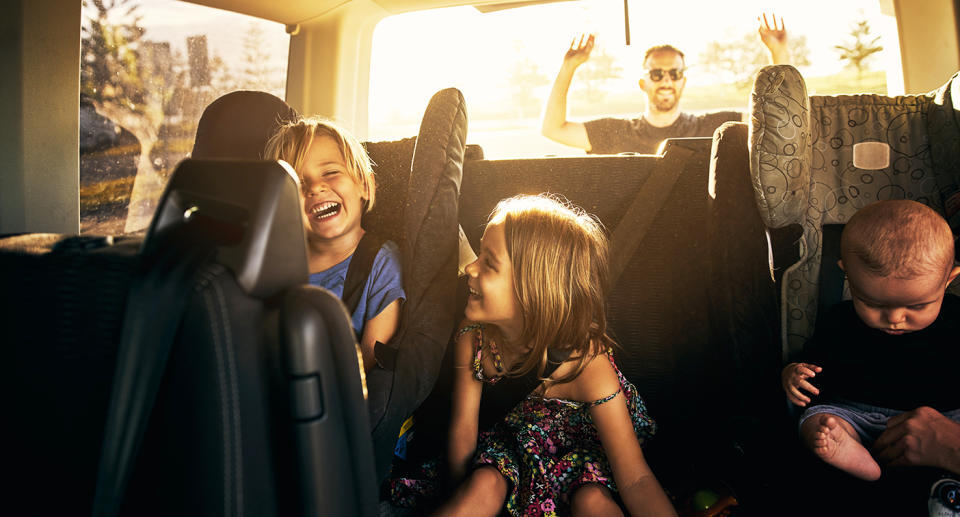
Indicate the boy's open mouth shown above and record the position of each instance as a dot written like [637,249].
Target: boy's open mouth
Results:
[474,292]
[325,210]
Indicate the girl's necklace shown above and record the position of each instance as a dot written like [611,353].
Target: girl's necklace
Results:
[478,366]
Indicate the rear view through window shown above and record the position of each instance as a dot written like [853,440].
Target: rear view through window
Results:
[505,61]
[148,68]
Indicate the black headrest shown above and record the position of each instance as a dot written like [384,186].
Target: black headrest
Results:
[238,125]
[251,209]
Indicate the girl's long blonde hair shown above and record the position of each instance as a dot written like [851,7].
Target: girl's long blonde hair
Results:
[292,140]
[560,271]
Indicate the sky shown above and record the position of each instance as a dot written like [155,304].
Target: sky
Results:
[475,43]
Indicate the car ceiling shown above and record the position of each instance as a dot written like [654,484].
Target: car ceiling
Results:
[299,11]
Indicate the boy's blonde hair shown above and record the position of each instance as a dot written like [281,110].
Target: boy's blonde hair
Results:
[292,140]
[560,272]
[899,237]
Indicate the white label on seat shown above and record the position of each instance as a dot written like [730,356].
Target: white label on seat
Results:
[871,155]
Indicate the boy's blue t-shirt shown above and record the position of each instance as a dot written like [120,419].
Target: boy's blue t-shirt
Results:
[384,285]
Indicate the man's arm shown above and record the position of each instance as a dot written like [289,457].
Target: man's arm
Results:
[775,39]
[922,437]
[555,124]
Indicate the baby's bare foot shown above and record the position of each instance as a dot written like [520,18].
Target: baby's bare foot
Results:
[834,446]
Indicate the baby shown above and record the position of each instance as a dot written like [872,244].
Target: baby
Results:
[885,361]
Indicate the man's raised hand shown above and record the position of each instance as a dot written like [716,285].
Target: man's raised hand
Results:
[775,38]
[579,51]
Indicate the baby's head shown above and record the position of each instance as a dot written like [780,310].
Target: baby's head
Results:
[336,176]
[898,256]
[555,257]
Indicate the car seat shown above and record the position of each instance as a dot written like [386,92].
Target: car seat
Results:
[238,124]
[815,160]
[259,407]
[418,182]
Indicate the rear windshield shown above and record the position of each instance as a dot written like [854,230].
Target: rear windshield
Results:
[505,61]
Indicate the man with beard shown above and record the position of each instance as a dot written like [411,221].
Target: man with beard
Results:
[663,82]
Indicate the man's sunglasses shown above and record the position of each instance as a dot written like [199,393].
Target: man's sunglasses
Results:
[656,74]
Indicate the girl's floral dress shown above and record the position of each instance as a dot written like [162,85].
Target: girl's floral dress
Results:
[545,448]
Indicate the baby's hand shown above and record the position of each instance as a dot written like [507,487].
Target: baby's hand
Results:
[794,378]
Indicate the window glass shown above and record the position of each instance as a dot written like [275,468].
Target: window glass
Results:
[148,68]
[505,61]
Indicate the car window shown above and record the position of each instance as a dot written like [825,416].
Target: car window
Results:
[148,68]
[505,61]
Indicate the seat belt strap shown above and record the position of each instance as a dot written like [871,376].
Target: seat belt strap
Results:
[165,280]
[359,270]
[642,211]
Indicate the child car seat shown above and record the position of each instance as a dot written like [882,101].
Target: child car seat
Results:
[816,159]
[418,184]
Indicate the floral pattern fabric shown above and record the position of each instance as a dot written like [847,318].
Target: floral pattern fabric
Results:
[547,447]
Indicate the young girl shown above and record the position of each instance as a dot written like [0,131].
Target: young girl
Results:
[538,289]
[337,187]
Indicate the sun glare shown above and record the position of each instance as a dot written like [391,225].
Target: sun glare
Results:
[505,61]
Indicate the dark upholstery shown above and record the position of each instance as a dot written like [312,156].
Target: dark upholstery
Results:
[693,311]
[391,166]
[417,207]
[62,310]
[742,292]
[260,410]
[237,125]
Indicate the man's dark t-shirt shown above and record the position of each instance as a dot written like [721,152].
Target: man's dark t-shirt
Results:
[617,135]
[902,372]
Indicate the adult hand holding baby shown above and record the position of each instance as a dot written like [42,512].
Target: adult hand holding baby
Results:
[922,437]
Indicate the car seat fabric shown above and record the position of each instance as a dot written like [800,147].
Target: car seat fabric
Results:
[419,211]
[686,329]
[742,290]
[63,302]
[238,124]
[261,407]
[803,152]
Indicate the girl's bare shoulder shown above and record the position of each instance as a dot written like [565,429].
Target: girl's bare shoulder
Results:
[597,380]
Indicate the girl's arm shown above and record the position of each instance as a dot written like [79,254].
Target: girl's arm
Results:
[638,487]
[380,328]
[465,410]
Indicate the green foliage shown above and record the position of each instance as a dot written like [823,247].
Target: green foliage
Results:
[737,59]
[857,52]
[523,80]
[255,74]
[109,63]
[592,76]
[848,82]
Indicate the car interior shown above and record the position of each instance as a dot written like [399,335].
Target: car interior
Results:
[187,368]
